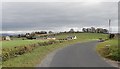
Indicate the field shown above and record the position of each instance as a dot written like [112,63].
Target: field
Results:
[13,43]
[109,49]
[81,36]
[27,59]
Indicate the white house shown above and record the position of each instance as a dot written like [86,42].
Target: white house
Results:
[7,38]
[71,37]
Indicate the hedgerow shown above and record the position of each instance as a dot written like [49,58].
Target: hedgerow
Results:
[8,53]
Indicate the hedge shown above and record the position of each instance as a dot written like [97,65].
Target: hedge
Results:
[8,53]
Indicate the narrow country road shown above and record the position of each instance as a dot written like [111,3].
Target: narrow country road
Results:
[76,55]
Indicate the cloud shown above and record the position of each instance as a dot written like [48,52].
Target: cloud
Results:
[60,0]
[57,16]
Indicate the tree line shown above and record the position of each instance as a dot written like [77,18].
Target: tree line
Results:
[95,30]
[45,33]
[30,35]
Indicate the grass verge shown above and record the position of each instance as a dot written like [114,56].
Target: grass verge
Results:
[109,49]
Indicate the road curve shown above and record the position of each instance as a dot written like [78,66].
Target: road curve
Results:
[76,55]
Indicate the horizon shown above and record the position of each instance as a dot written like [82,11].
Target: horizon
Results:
[23,32]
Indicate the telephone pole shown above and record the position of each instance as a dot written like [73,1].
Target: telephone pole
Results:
[109,25]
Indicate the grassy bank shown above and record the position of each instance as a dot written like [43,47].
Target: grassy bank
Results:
[33,58]
[109,49]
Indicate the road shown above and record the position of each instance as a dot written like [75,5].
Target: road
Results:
[76,55]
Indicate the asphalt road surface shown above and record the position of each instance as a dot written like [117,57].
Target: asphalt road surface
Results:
[76,55]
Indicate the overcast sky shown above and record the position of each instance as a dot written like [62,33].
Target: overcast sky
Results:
[58,16]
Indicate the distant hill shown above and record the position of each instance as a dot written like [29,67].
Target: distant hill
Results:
[8,34]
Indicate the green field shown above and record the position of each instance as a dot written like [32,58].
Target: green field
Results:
[13,43]
[109,49]
[27,59]
[81,36]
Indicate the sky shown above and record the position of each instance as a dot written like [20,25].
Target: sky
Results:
[20,17]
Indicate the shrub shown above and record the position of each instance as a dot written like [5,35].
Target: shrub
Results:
[10,53]
[114,54]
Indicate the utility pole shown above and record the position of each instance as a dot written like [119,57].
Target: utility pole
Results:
[109,25]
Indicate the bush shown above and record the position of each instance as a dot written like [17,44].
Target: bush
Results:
[114,54]
[16,51]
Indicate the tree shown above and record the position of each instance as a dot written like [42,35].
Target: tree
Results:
[19,35]
[50,32]
[77,31]
[84,30]
[71,31]
[89,30]
[111,36]
[33,34]
[92,29]
[105,31]
[101,30]
[43,32]
[27,34]
[98,30]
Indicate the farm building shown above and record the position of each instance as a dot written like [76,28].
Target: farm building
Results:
[71,37]
[51,38]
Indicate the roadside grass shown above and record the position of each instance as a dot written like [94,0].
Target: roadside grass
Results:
[31,59]
[109,49]
[1,54]
[14,43]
